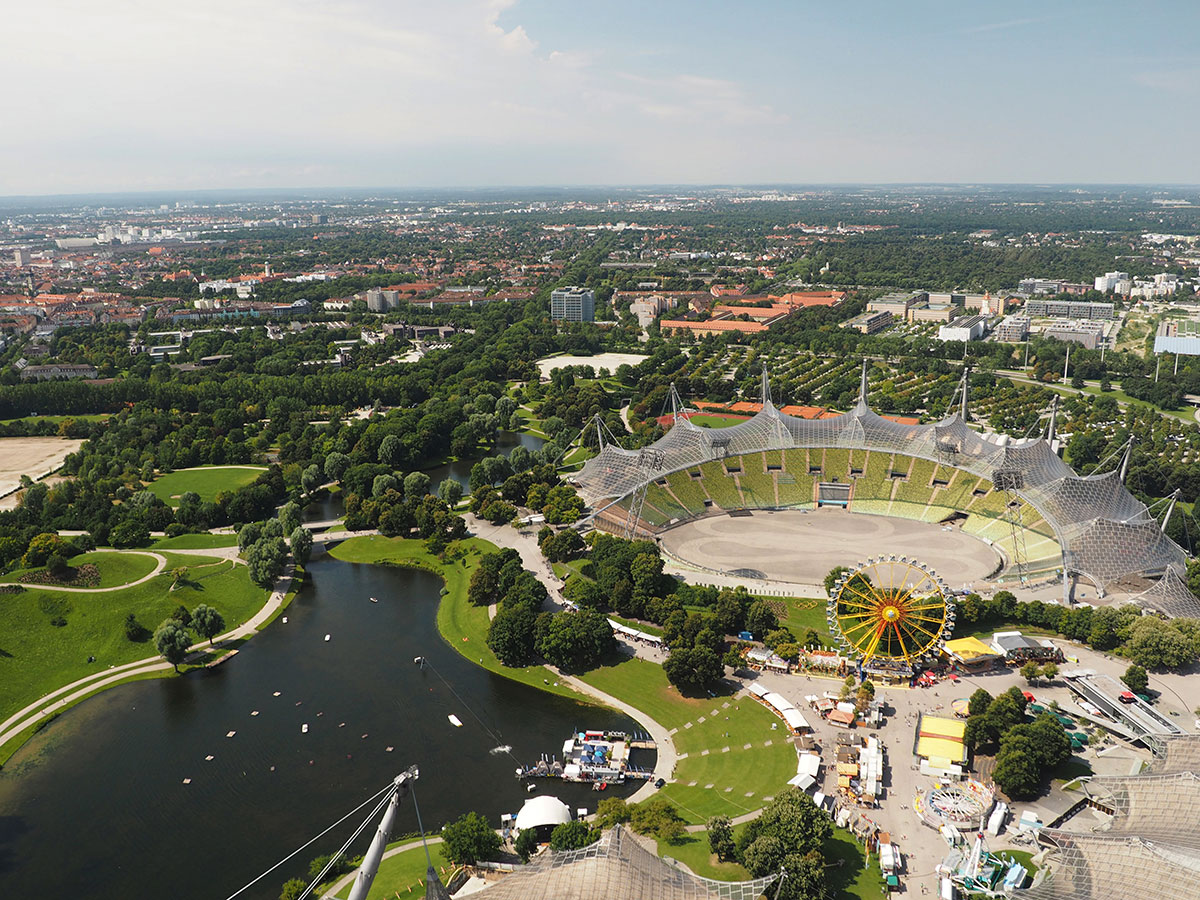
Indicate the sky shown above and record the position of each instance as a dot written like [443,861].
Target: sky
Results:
[132,95]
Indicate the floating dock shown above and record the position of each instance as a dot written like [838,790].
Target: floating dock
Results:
[601,757]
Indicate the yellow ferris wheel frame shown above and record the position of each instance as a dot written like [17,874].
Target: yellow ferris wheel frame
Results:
[891,608]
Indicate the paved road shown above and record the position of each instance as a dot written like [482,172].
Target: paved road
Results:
[57,700]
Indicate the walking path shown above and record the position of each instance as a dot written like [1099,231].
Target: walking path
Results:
[160,564]
[664,767]
[42,708]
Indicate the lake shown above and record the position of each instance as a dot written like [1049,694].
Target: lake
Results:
[333,506]
[95,804]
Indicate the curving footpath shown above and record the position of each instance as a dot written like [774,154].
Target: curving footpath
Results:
[42,708]
[161,563]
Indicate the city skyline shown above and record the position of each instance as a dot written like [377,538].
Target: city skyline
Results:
[497,92]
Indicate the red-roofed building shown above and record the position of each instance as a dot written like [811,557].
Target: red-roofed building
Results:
[811,298]
[712,326]
[768,314]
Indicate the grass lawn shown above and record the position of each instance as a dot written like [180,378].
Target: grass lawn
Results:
[760,771]
[116,568]
[195,542]
[800,615]
[86,417]
[846,875]
[463,625]
[37,657]
[709,420]
[404,870]
[207,481]
[692,850]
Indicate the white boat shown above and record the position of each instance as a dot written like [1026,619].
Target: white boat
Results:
[454,720]
[326,637]
[373,600]
[304,728]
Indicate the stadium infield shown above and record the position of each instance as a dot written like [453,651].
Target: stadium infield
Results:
[795,546]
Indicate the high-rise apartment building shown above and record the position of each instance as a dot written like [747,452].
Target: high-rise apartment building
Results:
[573,304]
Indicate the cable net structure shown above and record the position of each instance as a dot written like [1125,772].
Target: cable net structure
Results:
[1105,532]
[616,867]
[1149,849]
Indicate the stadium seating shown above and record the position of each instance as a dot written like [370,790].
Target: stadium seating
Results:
[688,492]
[836,465]
[660,498]
[721,488]
[758,486]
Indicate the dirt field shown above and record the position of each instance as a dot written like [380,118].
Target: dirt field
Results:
[795,546]
[600,361]
[32,456]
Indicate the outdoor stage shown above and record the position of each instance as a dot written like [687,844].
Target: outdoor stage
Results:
[795,546]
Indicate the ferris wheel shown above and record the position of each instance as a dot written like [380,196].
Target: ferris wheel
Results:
[890,608]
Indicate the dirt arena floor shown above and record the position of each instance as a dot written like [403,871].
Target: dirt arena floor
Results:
[795,546]
[32,456]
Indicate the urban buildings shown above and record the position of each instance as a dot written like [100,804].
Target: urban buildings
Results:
[1117,282]
[1088,334]
[573,304]
[1013,329]
[1069,309]
[967,328]
[870,322]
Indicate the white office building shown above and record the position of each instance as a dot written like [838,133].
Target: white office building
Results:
[573,304]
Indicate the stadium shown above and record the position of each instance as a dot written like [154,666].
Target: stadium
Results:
[1130,836]
[988,506]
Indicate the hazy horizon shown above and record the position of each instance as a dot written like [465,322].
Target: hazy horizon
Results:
[301,95]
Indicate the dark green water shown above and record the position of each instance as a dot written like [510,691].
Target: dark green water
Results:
[95,805]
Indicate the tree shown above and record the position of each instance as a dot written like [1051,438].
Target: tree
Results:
[612,811]
[1136,679]
[979,702]
[576,641]
[310,478]
[526,844]
[760,618]
[301,541]
[293,888]
[573,835]
[172,641]
[1030,672]
[207,621]
[720,838]
[416,486]
[790,826]
[864,696]
[391,450]
[511,634]
[265,560]
[692,670]
[336,465]
[1017,771]
[450,492]
[1050,671]
[57,565]
[831,579]
[469,839]
[658,817]
[289,517]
